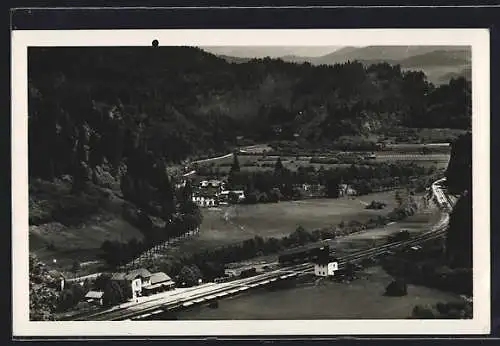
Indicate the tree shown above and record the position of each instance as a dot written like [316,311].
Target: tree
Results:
[459,234]
[166,190]
[75,267]
[300,236]
[422,312]
[398,198]
[80,161]
[278,168]
[187,193]
[233,197]
[102,281]
[113,294]
[70,297]
[274,195]
[235,167]
[396,288]
[189,275]
[332,186]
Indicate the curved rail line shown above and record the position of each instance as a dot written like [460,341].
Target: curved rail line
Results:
[229,288]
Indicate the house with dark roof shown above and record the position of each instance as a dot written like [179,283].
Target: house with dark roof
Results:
[137,279]
[159,282]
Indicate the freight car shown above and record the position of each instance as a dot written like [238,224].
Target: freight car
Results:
[303,255]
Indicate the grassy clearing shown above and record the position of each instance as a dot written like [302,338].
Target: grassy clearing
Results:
[74,230]
[327,300]
[237,223]
[422,221]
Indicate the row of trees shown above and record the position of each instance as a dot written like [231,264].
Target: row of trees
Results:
[117,253]
[280,184]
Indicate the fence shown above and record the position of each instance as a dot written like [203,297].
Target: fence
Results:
[157,249]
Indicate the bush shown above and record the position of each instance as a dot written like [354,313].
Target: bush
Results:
[275,195]
[189,275]
[376,205]
[422,312]
[399,236]
[113,294]
[396,288]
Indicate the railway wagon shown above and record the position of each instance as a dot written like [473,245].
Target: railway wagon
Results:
[303,255]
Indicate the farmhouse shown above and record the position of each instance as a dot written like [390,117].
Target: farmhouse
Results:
[212,183]
[180,184]
[137,279]
[224,195]
[205,200]
[346,190]
[325,266]
[94,297]
[159,282]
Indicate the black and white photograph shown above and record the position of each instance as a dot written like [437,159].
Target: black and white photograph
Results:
[220,179]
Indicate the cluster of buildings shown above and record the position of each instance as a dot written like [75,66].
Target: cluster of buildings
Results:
[141,282]
[211,193]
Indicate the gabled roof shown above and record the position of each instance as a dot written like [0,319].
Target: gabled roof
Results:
[142,273]
[94,294]
[118,276]
[325,260]
[159,277]
[131,275]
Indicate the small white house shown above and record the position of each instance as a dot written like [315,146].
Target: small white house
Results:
[326,267]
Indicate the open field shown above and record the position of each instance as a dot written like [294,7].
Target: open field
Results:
[232,224]
[81,244]
[421,221]
[324,300]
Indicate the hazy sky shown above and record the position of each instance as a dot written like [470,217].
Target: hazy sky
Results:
[273,52]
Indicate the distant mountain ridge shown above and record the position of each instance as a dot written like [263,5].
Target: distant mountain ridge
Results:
[439,63]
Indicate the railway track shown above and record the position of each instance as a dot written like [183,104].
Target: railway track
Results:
[222,290]
[381,250]
[304,268]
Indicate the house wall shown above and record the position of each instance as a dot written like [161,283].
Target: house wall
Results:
[325,270]
[136,287]
[320,270]
[146,282]
[332,268]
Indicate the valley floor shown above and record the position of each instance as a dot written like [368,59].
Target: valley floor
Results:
[361,299]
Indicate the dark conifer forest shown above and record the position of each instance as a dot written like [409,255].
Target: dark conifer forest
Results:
[127,104]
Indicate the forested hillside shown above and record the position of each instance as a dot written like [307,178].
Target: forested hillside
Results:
[439,63]
[459,178]
[178,101]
